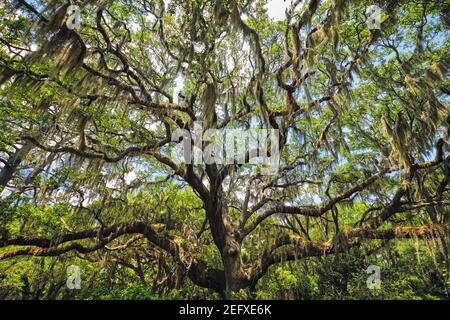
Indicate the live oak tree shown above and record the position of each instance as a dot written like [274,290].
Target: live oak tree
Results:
[88,114]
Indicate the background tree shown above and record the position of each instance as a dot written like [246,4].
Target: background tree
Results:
[88,117]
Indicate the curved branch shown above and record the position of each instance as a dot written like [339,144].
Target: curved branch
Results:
[302,248]
[315,211]
[197,270]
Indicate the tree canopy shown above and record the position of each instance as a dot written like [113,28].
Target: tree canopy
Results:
[90,101]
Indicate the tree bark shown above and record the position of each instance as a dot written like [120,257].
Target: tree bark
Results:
[225,236]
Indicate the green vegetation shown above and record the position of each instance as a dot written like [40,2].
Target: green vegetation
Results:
[89,176]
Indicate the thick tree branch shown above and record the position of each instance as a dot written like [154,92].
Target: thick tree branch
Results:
[301,248]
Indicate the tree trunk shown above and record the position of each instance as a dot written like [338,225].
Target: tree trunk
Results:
[225,238]
[235,276]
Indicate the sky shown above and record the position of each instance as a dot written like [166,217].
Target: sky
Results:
[276,9]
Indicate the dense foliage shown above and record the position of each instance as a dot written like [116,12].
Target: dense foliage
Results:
[88,177]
